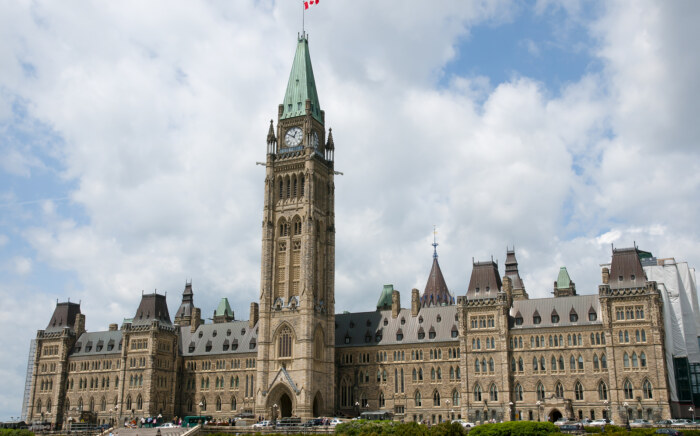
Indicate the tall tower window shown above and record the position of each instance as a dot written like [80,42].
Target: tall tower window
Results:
[284,346]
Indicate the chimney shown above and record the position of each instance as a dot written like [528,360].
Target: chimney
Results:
[508,288]
[196,319]
[113,327]
[254,311]
[606,275]
[395,303]
[79,326]
[415,302]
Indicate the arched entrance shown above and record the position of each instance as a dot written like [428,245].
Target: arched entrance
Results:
[317,405]
[554,415]
[285,406]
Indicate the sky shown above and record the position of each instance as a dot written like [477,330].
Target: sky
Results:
[129,133]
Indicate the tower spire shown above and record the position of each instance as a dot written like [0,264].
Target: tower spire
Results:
[435,244]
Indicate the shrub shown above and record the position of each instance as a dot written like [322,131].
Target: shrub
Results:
[515,428]
[13,432]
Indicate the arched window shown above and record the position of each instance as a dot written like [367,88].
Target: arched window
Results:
[540,391]
[647,390]
[635,360]
[629,390]
[644,335]
[534,364]
[452,373]
[203,403]
[493,393]
[602,391]
[518,392]
[559,390]
[381,399]
[455,397]
[492,365]
[621,337]
[542,367]
[420,374]
[103,404]
[596,364]
[643,359]
[294,186]
[477,366]
[218,404]
[233,403]
[554,363]
[284,342]
[458,373]
[477,392]
[513,367]
[128,403]
[603,361]
[578,391]
[432,373]
[627,336]
[580,362]
[418,399]
[520,364]
[636,336]
[626,360]
[436,398]
[415,374]
[38,406]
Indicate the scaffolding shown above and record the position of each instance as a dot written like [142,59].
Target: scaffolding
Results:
[28,380]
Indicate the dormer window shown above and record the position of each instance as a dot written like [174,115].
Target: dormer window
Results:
[399,335]
[632,277]
[420,320]
[368,338]
[242,332]
[208,347]
[519,320]
[439,318]
[228,332]
[403,321]
[476,290]
[386,322]
[213,333]
[378,337]
[555,318]
[252,345]
[347,339]
[421,333]
[191,348]
[369,323]
[454,332]
[201,333]
[536,319]
[431,334]
[573,316]
[592,315]
[488,288]
[619,278]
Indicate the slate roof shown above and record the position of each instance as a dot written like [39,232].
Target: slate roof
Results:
[210,339]
[152,307]
[362,325]
[512,270]
[63,316]
[485,281]
[563,306]
[98,343]
[624,266]
[436,292]
[187,305]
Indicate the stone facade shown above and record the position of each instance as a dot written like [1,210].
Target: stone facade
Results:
[490,354]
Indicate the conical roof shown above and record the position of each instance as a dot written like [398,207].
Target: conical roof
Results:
[301,85]
[436,292]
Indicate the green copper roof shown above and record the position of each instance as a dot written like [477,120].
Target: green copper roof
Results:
[385,299]
[224,309]
[563,281]
[301,85]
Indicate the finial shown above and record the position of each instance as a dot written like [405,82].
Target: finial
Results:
[435,244]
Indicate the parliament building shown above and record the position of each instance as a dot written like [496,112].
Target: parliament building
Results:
[629,350]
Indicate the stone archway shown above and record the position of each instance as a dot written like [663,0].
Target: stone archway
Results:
[280,402]
[318,404]
[554,415]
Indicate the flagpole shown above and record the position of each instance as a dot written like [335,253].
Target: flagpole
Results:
[303,15]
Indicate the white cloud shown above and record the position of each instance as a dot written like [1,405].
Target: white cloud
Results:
[3,239]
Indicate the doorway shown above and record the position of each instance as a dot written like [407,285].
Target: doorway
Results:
[285,406]
[554,415]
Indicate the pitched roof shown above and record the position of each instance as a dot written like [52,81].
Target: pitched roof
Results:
[562,306]
[385,298]
[436,292]
[224,309]
[378,328]
[563,281]
[98,343]
[234,337]
[485,281]
[301,85]
[512,270]
[626,269]
[152,307]
[63,316]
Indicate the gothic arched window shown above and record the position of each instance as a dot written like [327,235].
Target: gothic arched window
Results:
[284,342]
[559,390]
[629,390]
[647,390]
[477,393]
[578,391]
[602,391]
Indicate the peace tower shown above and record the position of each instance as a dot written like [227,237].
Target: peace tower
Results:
[295,368]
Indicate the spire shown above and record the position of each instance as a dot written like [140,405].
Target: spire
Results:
[384,302]
[564,287]
[223,312]
[329,143]
[512,269]
[301,86]
[436,292]
[271,134]
[435,244]
[183,315]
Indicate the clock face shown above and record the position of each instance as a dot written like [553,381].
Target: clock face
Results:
[293,137]
[314,140]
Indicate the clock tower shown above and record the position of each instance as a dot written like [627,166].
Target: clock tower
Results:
[296,329]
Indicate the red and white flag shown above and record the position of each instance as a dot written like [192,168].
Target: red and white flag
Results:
[308,3]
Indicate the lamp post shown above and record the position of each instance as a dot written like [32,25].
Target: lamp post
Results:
[627,413]
[357,407]
[511,415]
[606,409]
[274,415]
[692,412]
[539,404]
[448,406]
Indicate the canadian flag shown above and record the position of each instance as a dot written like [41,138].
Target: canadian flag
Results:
[309,3]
